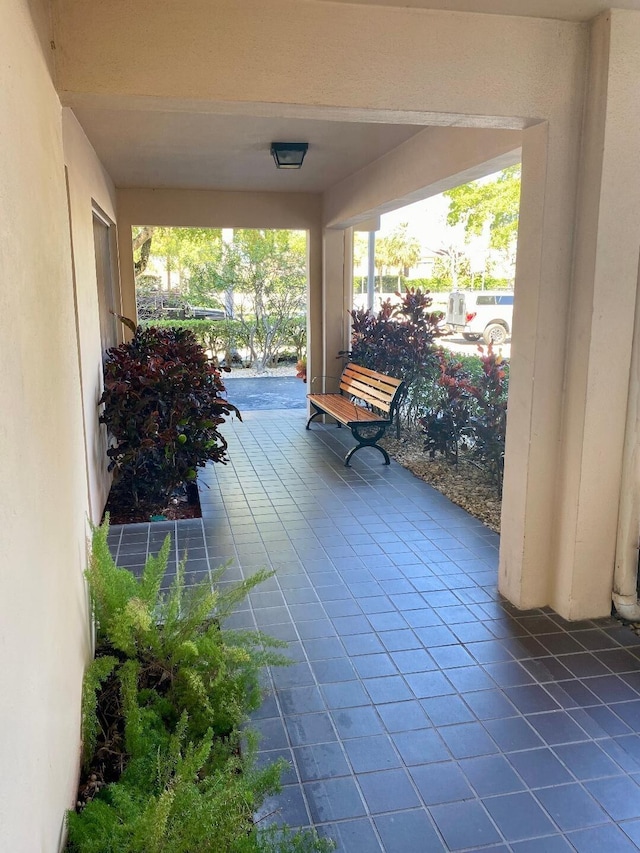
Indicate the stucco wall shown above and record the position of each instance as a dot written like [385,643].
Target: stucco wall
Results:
[432,161]
[44,636]
[88,184]
[304,53]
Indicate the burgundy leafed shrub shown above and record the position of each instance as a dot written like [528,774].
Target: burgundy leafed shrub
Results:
[448,417]
[399,341]
[470,411]
[162,407]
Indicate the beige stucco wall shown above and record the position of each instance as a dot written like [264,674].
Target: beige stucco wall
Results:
[44,636]
[602,314]
[309,54]
[359,63]
[355,62]
[432,161]
[88,184]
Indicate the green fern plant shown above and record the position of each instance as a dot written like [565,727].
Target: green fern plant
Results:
[165,695]
[186,797]
[177,640]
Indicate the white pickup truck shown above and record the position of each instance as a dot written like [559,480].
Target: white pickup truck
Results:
[486,314]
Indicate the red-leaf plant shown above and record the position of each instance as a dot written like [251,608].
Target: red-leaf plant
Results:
[162,407]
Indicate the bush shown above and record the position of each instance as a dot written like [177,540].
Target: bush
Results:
[470,409]
[399,341]
[162,406]
[219,337]
[161,707]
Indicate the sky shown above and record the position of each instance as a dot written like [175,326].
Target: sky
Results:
[427,221]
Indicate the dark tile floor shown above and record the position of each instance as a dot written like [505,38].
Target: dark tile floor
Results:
[422,712]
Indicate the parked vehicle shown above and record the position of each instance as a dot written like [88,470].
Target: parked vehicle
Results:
[486,314]
[162,305]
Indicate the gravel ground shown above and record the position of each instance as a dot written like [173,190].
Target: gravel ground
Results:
[252,373]
[464,484]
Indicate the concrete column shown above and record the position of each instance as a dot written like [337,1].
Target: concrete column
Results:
[337,289]
[602,320]
[127,275]
[572,341]
[315,325]
[543,272]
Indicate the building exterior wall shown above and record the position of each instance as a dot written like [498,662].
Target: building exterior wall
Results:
[576,282]
[44,627]
[432,161]
[52,474]
[88,185]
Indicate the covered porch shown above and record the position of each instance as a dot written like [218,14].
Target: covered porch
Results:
[422,711]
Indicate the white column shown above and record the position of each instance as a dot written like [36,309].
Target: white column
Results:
[602,321]
[337,288]
[571,346]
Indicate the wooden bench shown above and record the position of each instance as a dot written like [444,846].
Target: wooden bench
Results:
[366,403]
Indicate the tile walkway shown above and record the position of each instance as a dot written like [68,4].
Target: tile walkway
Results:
[422,712]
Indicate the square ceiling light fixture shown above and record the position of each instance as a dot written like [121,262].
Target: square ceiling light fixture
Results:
[289,155]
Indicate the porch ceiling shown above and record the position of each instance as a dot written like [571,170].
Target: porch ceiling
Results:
[564,10]
[188,150]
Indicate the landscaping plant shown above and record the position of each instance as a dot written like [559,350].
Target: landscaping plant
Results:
[470,410]
[163,409]
[162,706]
[399,341]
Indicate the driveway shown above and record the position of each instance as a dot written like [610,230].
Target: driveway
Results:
[269,392]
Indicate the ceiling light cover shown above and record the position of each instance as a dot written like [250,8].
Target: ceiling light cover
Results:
[289,155]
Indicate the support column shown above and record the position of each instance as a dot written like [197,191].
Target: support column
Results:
[602,322]
[337,289]
[570,359]
[315,326]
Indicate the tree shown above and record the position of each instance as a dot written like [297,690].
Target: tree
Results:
[398,252]
[496,202]
[451,265]
[177,249]
[142,238]
[267,269]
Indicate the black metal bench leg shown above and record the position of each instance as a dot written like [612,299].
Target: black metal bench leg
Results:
[314,415]
[367,441]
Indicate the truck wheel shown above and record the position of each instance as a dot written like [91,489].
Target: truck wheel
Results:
[469,337]
[495,334]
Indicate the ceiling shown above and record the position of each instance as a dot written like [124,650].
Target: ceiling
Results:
[566,10]
[230,152]
[209,150]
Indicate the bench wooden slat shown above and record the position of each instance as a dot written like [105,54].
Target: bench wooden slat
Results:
[343,410]
[370,395]
[366,386]
[390,380]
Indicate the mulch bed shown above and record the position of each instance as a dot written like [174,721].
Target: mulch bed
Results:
[180,506]
[465,484]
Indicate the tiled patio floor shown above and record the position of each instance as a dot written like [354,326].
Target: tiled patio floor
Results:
[422,713]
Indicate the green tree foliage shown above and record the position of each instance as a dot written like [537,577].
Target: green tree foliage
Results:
[262,272]
[268,271]
[496,202]
[180,249]
[398,252]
